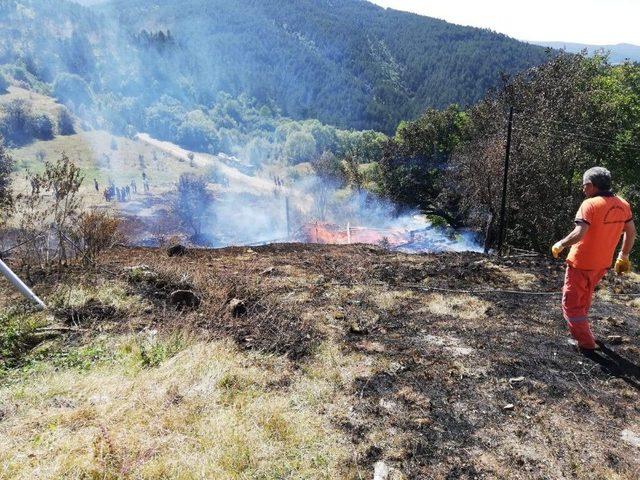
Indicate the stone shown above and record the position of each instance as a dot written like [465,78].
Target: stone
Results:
[615,339]
[509,407]
[237,307]
[176,250]
[184,299]
[357,329]
[381,471]
[630,437]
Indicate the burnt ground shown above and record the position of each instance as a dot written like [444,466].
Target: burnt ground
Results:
[466,372]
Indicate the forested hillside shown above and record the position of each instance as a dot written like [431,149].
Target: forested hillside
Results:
[350,64]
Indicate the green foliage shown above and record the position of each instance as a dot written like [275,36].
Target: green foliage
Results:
[4,84]
[414,162]
[65,122]
[20,125]
[571,114]
[18,334]
[72,90]
[300,147]
[310,59]
[6,193]
[192,202]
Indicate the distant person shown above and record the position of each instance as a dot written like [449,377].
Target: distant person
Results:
[602,218]
[95,184]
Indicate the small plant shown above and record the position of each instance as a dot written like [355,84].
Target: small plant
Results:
[96,231]
[48,214]
[6,194]
[192,203]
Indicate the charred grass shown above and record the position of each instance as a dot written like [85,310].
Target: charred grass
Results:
[442,366]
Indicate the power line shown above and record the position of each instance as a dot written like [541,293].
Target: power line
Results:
[568,135]
[600,139]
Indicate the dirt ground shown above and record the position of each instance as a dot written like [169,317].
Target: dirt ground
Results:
[467,370]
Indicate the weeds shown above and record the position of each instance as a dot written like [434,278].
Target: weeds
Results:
[18,335]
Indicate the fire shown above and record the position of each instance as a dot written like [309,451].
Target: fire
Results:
[323,232]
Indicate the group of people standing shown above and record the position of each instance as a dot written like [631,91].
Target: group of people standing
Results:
[122,193]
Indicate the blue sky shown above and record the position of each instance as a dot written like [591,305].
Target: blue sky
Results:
[598,22]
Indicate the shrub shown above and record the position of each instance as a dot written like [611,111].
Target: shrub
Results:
[97,231]
[192,202]
[65,122]
[6,194]
[72,89]
[4,84]
[42,127]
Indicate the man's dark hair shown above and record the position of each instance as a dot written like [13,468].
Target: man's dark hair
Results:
[599,177]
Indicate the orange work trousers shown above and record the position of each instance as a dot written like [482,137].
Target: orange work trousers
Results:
[577,295]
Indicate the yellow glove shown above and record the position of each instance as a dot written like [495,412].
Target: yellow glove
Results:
[557,249]
[623,264]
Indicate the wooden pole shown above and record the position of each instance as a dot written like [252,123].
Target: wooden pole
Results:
[286,204]
[505,181]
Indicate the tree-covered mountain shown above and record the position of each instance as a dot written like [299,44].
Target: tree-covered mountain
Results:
[347,63]
[618,53]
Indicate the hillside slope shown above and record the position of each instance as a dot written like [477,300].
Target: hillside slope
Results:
[349,63]
[309,361]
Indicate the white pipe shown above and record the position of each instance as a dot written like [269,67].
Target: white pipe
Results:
[19,284]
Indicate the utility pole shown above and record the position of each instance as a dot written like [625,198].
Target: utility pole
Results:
[505,181]
[286,205]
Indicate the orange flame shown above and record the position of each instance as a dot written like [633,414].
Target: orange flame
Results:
[328,233]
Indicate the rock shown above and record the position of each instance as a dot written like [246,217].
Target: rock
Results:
[615,339]
[508,407]
[381,471]
[184,299]
[357,329]
[630,437]
[616,322]
[237,307]
[371,347]
[388,405]
[176,250]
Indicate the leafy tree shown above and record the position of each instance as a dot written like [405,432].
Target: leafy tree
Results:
[560,130]
[413,163]
[4,84]
[54,203]
[65,122]
[72,90]
[192,203]
[42,127]
[6,193]
[16,127]
[299,147]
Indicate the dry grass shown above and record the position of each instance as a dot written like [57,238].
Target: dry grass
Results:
[41,103]
[518,278]
[86,150]
[414,379]
[464,307]
[207,412]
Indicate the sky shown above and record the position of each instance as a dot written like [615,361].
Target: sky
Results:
[598,22]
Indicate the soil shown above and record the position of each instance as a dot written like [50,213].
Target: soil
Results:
[486,386]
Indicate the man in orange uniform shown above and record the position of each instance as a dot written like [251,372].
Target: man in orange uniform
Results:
[602,218]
